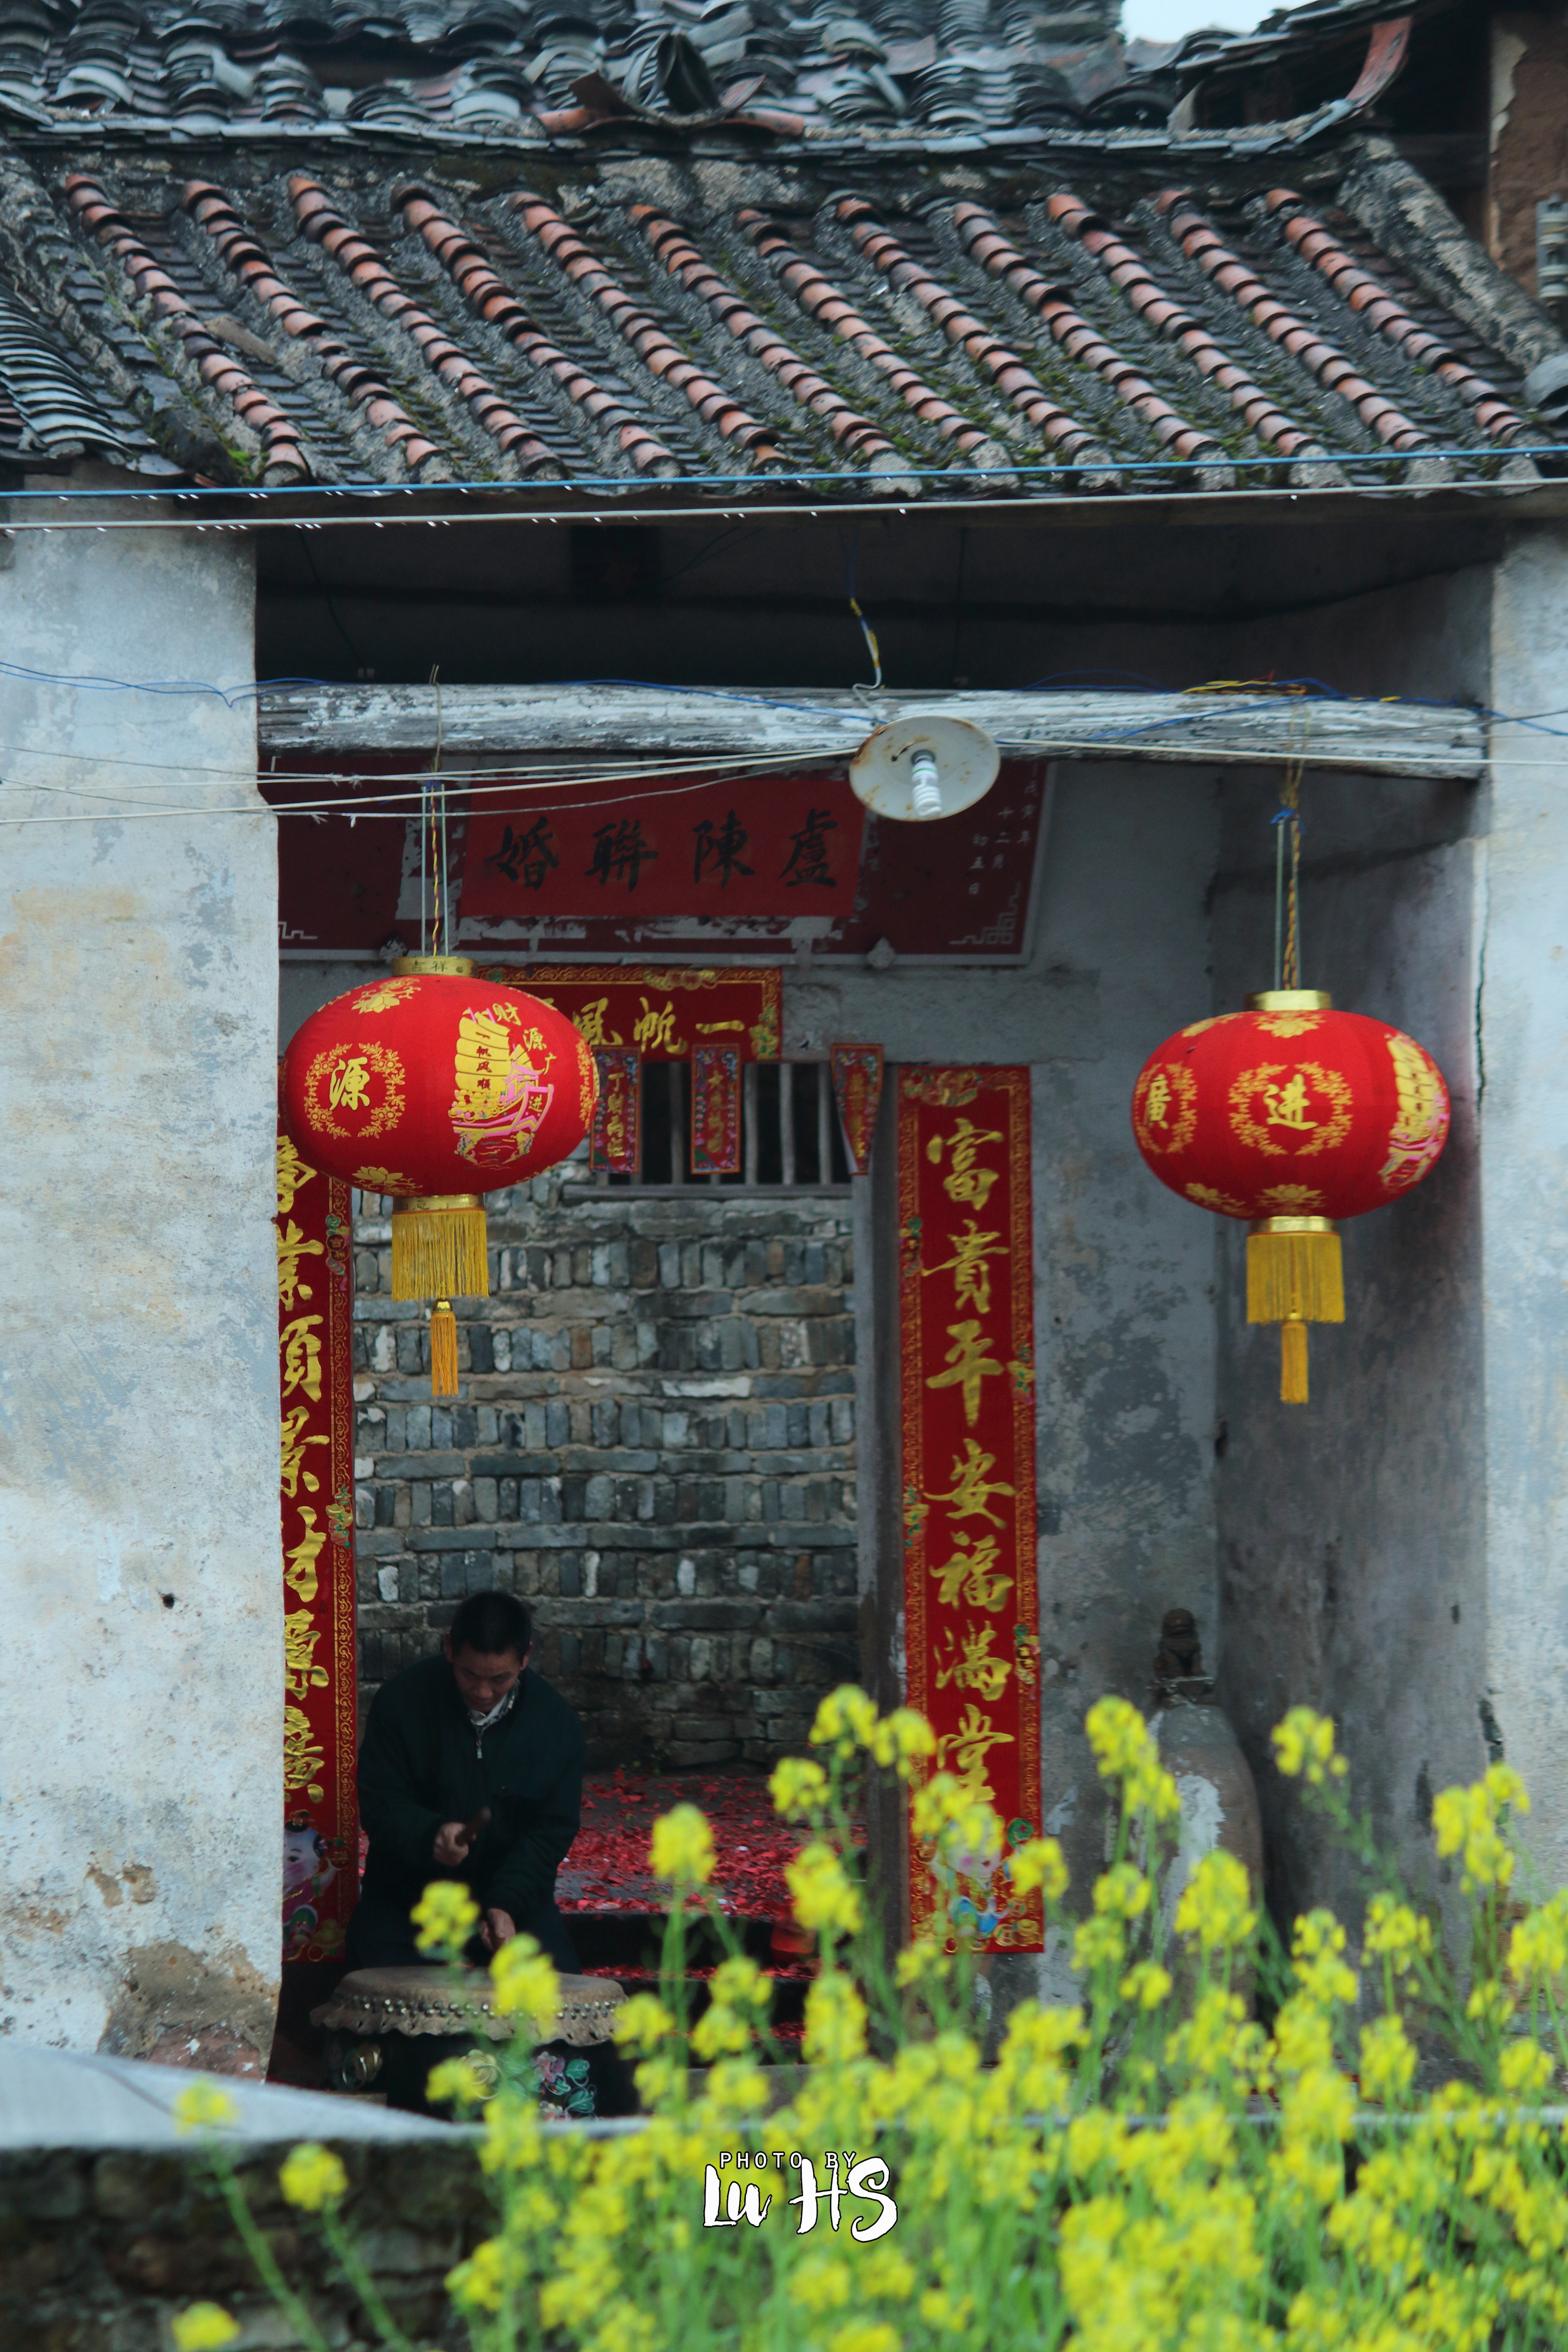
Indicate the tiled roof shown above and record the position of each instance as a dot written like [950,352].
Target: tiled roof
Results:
[283,319]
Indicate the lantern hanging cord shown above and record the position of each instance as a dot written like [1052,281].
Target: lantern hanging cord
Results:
[1287,818]
[867,631]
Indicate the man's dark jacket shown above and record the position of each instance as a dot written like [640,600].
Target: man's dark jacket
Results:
[423,1764]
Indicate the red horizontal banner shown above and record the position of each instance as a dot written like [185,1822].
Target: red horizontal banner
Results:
[664,1011]
[788,845]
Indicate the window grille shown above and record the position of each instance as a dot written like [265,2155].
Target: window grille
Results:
[791,1139]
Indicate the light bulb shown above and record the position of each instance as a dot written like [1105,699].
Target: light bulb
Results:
[925,797]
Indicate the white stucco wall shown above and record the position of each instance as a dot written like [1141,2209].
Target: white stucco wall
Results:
[140,1664]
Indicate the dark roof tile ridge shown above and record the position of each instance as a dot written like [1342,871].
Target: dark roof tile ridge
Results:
[247,258]
[1018,383]
[489,296]
[1082,341]
[665,362]
[1202,243]
[855,433]
[1373,302]
[278,438]
[365,268]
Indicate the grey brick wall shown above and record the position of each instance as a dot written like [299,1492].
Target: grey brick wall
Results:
[655,1446]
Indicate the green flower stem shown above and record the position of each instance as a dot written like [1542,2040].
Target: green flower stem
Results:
[263,2260]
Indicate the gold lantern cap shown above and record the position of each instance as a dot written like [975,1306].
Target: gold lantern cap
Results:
[1293,1226]
[1273,1000]
[457,967]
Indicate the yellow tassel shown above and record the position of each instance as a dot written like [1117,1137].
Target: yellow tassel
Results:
[443,1349]
[1292,1363]
[438,1248]
[1294,1272]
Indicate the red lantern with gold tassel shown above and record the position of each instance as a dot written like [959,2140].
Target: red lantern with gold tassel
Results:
[1291,1116]
[437,1088]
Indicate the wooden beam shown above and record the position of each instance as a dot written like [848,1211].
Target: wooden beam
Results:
[1390,738]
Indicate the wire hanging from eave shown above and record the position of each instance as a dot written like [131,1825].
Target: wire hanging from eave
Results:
[1288,891]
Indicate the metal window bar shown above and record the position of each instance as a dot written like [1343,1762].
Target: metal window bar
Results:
[790,1137]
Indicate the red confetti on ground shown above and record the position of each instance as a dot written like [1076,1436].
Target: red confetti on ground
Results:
[607,1868]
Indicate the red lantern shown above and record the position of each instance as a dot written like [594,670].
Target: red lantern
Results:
[437,1087]
[1291,1115]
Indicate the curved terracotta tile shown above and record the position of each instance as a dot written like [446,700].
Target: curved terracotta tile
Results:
[1201,243]
[359,259]
[1016,383]
[498,306]
[1378,308]
[244,256]
[282,454]
[1082,341]
[1163,315]
[646,337]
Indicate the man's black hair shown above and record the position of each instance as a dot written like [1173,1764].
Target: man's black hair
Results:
[490,1622]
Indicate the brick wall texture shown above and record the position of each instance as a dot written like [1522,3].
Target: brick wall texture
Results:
[654,1446]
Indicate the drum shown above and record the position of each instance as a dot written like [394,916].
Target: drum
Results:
[386,2028]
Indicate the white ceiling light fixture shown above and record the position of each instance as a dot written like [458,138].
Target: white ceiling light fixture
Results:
[925,766]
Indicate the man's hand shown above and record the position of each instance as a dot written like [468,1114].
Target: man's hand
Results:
[496,1928]
[450,1850]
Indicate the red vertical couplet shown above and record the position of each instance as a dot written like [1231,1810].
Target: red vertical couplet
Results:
[858,1091]
[972,1608]
[716,1110]
[616,1139]
[315,1371]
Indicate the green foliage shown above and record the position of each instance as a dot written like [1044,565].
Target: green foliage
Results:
[1144,2169]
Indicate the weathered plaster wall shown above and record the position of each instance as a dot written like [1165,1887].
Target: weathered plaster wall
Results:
[1523,1137]
[1351,1530]
[140,1730]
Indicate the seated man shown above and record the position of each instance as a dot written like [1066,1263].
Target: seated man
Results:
[448,1738]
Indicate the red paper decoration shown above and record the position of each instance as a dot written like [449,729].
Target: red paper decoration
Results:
[436,1082]
[437,1087]
[1291,1115]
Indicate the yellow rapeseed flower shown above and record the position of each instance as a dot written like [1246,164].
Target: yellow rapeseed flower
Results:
[902,1738]
[1304,1746]
[835,2021]
[681,1850]
[446,1916]
[867,2336]
[456,2084]
[1039,1864]
[1525,2068]
[203,2327]
[1387,2060]
[942,1799]
[1146,1986]
[642,2022]
[846,1720]
[1395,1933]
[524,1983]
[822,2282]
[799,1786]
[822,1894]
[202,2107]
[1122,1893]
[313,2178]
[1539,1944]
[1216,1904]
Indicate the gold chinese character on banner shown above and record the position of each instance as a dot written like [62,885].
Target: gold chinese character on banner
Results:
[301,1672]
[292,1248]
[968,1267]
[294,1472]
[973,1667]
[654,1030]
[964,1181]
[972,1488]
[967,1366]
[964,1751]
[303,1756]
[590,1020]
[302,1355]
[348,1083]
[293,1174]
[300,1563]
[969,1576]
